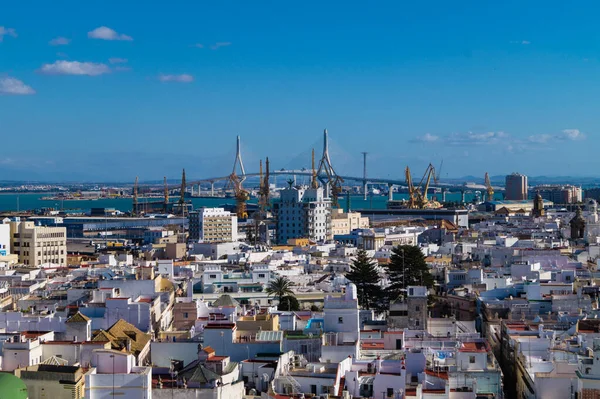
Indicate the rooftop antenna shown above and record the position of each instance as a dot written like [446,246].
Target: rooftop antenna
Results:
[238,161]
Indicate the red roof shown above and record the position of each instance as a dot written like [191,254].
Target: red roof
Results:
[473,347]
[371,345]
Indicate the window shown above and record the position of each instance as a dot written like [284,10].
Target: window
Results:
[471,359]
[212,276]
[303,348]
[313,389]
[261,275]
[340,320]
[185,315]
[417,308]
[390,392]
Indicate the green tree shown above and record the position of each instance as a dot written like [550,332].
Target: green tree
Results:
[363,273]
[287,303]
[407,267]
[279,287]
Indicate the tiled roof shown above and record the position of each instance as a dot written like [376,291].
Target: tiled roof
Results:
[225,301]
[78,318]
[119,333]
[122,331]
[56,361]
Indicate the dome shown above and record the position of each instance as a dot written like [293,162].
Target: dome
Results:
[12,387]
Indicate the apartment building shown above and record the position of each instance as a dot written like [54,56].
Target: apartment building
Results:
[38,245]
[303,213]
[344,222]
[516,187]
[213,225]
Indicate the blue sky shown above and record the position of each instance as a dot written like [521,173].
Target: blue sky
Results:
[115,89]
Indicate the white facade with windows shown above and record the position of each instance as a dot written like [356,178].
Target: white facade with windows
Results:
[4,239]
[38,245]
[303,213]
[213,225]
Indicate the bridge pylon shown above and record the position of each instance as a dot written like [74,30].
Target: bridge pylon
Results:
[326,173]
[238,163]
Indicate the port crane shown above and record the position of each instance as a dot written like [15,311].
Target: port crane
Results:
[489,188]
[417,199]
[241,195]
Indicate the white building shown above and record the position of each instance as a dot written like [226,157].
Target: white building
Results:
[4,239]
[117,376]
[303,213]
[344,222]
[38,245]
[341,325]
[215,280]
[213,225]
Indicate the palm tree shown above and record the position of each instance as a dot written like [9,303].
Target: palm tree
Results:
[279,287]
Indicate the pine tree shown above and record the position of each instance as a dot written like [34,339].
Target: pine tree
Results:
[407,267]
[364,275]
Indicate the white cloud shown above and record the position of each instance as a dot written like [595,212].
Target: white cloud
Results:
[183,78]
[572,134]
[59,41]
[540,138]
[567,134]
[7,32]
[105,33]
[198,45]
[116,60]
[426,138]
[219,45]
[74,68]
[476,138]
[14,86]
[523,42]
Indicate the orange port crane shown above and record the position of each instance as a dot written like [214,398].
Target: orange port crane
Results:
[489,188]
[417,199]
[241,195]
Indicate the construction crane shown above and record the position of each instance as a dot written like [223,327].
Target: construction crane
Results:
[489,188]
[241,195]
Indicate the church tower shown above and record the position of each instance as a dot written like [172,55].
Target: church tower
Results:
[538,206]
